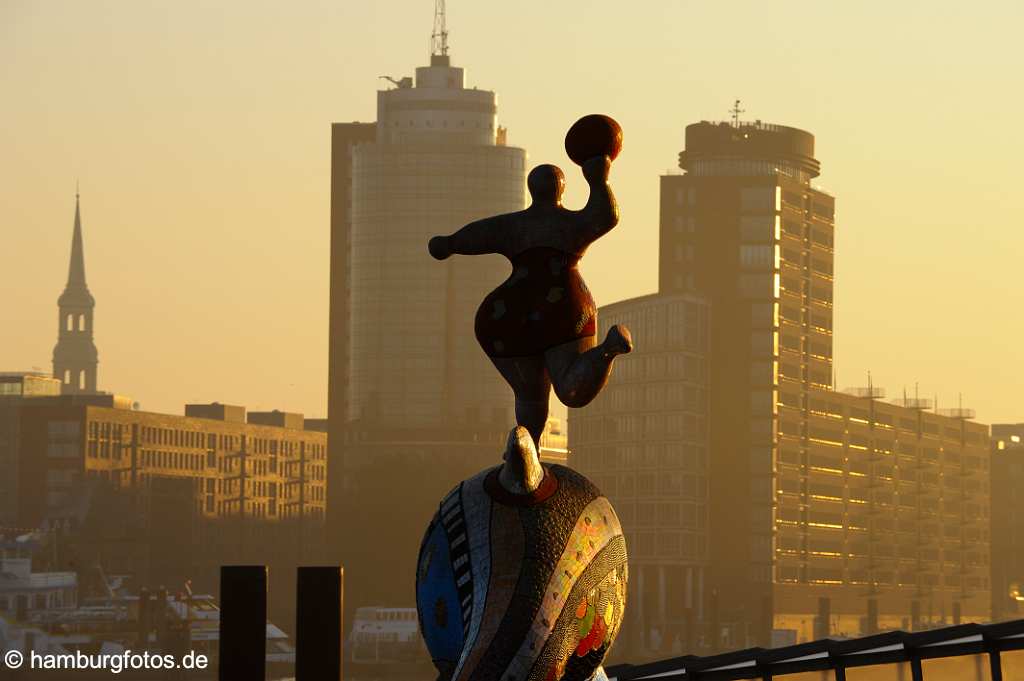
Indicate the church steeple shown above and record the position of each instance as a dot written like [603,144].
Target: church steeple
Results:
[76,269]
[75,357]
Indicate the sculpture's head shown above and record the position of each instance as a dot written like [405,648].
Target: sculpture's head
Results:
[546,184]
[522,574]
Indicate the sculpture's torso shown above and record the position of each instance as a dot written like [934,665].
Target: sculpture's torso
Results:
[543,303]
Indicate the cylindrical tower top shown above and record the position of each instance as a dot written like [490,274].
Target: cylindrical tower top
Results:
[437,108]
[744,141]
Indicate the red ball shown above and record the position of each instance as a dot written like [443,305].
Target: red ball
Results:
[593,135]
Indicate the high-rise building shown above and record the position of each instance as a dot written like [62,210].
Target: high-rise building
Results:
[744,227]
[75,357]
[414,404]
[829,512]
[741,217]
[1007,520]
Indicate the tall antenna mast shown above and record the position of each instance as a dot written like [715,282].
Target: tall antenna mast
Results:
[735,110]
[439,38]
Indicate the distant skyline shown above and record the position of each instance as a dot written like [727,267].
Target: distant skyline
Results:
[200,136]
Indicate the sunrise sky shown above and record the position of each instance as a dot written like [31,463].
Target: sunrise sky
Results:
[200,135]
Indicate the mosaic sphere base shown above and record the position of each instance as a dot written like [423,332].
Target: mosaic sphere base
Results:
[522,587]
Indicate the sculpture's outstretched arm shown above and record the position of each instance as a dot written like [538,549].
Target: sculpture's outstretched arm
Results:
[476,238]
[601,213]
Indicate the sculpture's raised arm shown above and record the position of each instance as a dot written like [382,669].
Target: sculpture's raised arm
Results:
[601,213]
[477,238]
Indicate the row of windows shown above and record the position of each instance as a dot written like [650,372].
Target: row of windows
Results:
[645,367]
[261,509]
[667,544]
[673,484]
[429,123]
[822,575]
[665,455]
[9,603]
[662,396]
[672,425]
[834,418]
[922,424]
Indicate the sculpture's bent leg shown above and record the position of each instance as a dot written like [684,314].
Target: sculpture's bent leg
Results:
[579,369]
[529,380]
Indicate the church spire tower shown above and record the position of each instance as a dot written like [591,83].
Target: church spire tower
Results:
[75,357]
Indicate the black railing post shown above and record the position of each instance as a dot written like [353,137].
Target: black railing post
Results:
[319,624]
[916,673]
[243,623]
[995,665]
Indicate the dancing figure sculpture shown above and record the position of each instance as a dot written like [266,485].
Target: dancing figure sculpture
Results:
[539,327]
[522,572]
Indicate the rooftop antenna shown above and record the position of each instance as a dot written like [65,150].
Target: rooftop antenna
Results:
[735,110]
[439,38]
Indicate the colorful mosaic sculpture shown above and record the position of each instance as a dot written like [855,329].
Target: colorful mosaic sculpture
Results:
[522,572]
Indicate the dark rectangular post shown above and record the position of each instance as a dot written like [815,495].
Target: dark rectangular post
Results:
[243,622]
[872,627]
[995,665]
[916,673]
[319,624]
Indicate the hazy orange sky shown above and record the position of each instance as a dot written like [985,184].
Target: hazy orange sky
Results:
[200,132]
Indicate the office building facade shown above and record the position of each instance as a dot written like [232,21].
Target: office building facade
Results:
[15,387]
[1007,521]
[168,497]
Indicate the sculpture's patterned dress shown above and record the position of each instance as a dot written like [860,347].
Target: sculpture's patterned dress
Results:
[544,303]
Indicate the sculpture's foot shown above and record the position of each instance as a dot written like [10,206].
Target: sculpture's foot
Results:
[522,472]
[618,341]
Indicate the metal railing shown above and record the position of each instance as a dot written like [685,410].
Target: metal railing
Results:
[318,641]
[837,656]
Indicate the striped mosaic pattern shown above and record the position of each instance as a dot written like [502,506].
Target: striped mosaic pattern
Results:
[454,522]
